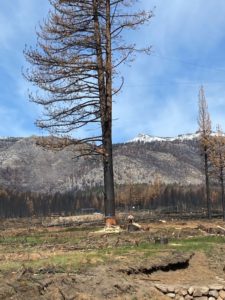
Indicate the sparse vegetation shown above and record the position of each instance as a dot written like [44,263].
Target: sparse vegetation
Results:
[58,256]
[70,249]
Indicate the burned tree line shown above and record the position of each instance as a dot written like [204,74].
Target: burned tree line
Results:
[162,198]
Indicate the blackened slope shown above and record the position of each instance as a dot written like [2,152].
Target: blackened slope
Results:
[26,166]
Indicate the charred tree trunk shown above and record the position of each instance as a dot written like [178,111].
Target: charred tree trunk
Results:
[222,196]
[105,92]
[107,129]
[109,197]
[208,202]
[222,189]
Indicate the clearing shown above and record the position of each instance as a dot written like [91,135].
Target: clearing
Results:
[76,259]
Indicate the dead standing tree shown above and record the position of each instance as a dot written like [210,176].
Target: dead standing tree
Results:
[217,158]
[78,52]
[204,123]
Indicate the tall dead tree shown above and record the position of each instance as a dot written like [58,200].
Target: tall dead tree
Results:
[79,50]
[204,123]
[217,158]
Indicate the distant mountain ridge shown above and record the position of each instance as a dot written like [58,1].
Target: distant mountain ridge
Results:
[24,166]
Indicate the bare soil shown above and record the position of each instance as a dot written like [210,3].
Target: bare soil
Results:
[39,261]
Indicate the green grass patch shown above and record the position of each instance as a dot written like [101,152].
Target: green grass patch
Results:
[41,239]
[73,261]
[62,263]
[205,244]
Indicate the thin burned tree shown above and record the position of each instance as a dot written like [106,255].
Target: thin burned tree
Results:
[204,123]
[75,63]
[217,158]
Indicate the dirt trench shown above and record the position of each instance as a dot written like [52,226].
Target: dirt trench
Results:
[109,282]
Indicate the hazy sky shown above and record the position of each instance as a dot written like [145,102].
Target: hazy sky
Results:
[160,94]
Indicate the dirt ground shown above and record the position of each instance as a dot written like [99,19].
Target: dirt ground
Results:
[82,261]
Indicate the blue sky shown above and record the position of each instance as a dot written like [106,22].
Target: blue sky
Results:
[160,93]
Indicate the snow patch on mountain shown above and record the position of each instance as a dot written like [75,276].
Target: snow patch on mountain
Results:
[145,138]
[6,138]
